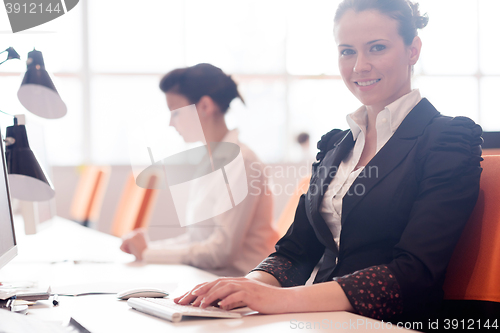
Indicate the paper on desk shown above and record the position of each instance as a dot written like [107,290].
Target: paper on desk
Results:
[11,322]
[23,288]
[23,302]
[7,293]
[108,287]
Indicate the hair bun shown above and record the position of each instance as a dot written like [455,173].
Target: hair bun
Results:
[199,80]
[420,21]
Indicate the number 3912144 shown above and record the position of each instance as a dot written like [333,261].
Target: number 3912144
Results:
[31,8]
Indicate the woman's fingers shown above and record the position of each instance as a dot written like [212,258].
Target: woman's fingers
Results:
[205,287]
[196,294]
[235,300]
[230,293]
[198,300]
[218,293]
[202,291]
[188,297]
[177,299]
[124,246]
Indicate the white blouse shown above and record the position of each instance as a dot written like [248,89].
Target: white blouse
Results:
[387,122]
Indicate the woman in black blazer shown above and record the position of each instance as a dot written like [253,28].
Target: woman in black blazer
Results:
[407,180]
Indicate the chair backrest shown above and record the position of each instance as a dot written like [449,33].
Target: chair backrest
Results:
[135,206]
[474,269]
[288,213]
[89,193]
[491,151]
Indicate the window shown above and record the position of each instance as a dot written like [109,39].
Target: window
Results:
[107,63]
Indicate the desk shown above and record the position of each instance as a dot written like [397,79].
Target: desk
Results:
[48,257]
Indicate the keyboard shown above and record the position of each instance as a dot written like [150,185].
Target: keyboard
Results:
[167,309]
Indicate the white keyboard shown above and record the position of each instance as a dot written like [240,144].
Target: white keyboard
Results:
[167,309]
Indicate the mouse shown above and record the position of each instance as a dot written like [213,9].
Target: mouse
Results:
[142,292]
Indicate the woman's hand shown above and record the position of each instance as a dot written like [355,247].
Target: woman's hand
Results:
[230,293]
[135,243]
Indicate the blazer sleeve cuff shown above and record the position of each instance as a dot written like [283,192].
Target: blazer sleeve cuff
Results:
[282,269]
[373,292]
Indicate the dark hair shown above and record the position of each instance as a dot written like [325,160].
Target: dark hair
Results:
[302,137]
[202,80]
[404,11]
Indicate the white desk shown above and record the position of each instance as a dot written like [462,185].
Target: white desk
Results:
[41,258]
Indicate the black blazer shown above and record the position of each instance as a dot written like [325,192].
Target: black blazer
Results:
[405,211]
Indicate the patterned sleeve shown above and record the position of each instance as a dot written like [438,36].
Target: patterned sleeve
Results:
[373,292]
[282,269]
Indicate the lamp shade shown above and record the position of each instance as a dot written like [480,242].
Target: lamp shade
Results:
[12,54]
[26,177]
[37,92]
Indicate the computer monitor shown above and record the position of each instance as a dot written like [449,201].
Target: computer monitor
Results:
[8,245]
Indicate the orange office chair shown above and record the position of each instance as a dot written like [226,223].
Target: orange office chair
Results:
[491,151]
[474,270]
[286,217]
[135,206]
[89,193]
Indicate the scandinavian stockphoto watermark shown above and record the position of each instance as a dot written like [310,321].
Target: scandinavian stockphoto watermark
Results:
[444,324]
[204,181]
[26,14]
[269,179]
[351,324]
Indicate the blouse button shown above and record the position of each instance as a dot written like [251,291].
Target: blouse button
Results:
[384,120]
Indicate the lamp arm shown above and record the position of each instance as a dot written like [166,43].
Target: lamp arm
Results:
[12,54]
[8,114]
[8,141]
[5,59]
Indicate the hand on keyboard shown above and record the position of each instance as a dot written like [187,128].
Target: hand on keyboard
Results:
[231,293]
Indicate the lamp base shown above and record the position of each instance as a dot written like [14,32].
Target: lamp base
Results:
[31,216]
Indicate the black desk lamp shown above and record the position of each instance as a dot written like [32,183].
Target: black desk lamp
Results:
[37,92]
[26,177]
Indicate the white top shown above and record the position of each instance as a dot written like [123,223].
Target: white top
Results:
[239,238]
[388,121]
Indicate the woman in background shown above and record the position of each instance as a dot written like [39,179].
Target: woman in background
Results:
[387,200]
[240,238]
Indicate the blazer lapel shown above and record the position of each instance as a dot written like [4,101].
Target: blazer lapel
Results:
[392,153]
[324,174]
